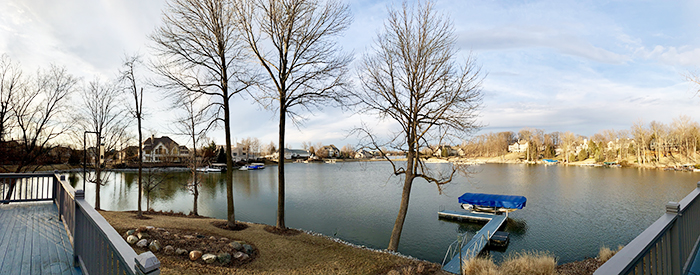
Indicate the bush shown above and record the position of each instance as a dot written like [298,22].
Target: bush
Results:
[605,253]
[532,263]
[480,266]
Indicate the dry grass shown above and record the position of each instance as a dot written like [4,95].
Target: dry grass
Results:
[525,263]
[480,266]
[606,253]
[295,254]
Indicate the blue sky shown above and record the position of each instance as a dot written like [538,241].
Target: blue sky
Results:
[580,66]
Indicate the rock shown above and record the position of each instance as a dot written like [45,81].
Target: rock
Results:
[393,272]
[212,238]
[240,256]
[248,249]
[154,246]
[236,245]
[132,239]
[224,258]
[224,239]
[131,232]
[209,258]
[188,237]
[166,233]
[201,236]
[169,249]
[180,251]
[141,229]
[143,235]
[142,243]
[150,227]
[195,255]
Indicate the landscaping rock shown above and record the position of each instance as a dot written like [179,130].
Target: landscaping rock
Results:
[141,229]
[130,232]
[131,239]
[224,239]
[209,258]
[393,272]
[212,238]
[224,258]
[188,237]
[142,243]
[236,245]
[154,246]
[248,249]
[240,256]
[169,249]
[195,255]
[143,235]
[180,251]
[150,227]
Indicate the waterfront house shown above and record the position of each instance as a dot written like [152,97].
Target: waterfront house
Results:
[329,151]
[518,147]
[364,154]
[163,149]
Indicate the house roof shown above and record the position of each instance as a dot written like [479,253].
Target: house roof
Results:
[151,142]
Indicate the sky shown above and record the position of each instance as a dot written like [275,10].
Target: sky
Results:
[580,66]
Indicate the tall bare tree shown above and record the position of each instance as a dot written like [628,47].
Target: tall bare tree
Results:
[102,115]
[128,79]
[412,79]
[195,122]
[294,42]
[198,50]
[10,84]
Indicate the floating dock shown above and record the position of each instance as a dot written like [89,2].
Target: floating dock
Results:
[478,242]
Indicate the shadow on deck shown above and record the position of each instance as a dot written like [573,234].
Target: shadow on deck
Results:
[34,241]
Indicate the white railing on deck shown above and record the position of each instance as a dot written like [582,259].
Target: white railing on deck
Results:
[668,246]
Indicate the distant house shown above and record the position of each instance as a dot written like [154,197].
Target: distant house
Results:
[128,154]
[329,151]
[293,154]
[163,149]
[364,154]
[445,151]
[518,147]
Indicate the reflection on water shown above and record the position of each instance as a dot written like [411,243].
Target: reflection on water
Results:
[571,211]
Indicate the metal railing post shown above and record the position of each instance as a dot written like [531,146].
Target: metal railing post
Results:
[77,245]
[673,208]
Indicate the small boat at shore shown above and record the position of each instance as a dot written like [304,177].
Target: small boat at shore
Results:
[491,203]
[253,166]
[209,169]
[550,161]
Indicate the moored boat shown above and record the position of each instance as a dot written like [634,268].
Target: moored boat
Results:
[253,166]
[491,203]
[209,169]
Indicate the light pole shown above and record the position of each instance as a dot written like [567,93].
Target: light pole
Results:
[85,152]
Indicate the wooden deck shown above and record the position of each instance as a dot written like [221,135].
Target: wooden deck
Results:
[33,240]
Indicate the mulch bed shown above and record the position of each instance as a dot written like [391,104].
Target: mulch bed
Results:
[166,213]
[190,241]
[282,232]
[224,225]
[585,267]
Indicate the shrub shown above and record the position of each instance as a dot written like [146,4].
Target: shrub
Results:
[605,253]
[531,263]
[479,266]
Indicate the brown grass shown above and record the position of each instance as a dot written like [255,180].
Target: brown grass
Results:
[605,253]
[278,254]
[525,263]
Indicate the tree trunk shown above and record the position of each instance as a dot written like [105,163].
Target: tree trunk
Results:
[229,165]
[280,167]
[138,118]
[405,196]
[194,169]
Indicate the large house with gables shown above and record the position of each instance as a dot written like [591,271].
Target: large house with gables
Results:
[163,149]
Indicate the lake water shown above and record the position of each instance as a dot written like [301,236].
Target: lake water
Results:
[571,211]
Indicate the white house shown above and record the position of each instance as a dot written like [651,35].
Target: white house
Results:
[163,149]
[518,147]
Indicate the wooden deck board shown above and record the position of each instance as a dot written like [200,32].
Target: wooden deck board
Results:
[33,240]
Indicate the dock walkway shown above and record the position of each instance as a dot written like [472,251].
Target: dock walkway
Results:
[34,241]
[480,239]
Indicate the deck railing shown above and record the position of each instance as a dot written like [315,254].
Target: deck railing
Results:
[97,247]
[668,246]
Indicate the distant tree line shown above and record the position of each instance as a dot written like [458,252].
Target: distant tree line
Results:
[643,143]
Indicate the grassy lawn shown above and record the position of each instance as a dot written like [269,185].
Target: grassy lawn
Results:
[297,254]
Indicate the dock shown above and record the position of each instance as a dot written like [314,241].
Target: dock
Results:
[478,242]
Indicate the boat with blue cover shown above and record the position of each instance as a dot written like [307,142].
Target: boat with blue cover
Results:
[491,203]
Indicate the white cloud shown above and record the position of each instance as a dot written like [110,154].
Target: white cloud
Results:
[675,56]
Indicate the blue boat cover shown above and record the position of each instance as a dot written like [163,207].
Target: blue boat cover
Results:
[492,200]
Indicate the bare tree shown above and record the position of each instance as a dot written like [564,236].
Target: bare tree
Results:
[101,115]
[128,78]
[198,51]
[413,80]
[195,123]
[293,41]
[38,113]
[10,85]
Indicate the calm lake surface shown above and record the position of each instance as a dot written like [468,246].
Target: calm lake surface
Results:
[570,212]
